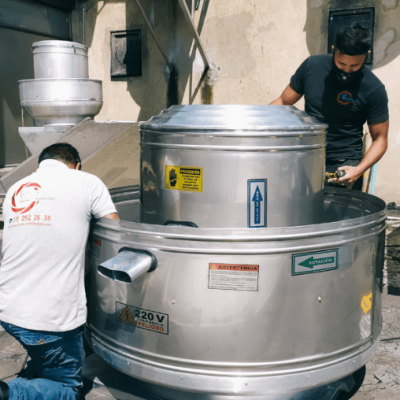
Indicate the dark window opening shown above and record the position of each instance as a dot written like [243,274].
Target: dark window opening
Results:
[339,20]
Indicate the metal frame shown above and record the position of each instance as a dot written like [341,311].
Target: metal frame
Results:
[189,18]
[196,35]
[154,35]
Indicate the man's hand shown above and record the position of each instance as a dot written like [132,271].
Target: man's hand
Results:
[352,174]
[379,135]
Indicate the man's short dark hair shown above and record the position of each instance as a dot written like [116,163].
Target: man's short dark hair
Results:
[63,152]
[354,41]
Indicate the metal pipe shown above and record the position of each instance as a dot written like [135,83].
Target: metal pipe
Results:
[154,35]
[83,25]
[152,18]
[127,266]
[186,13]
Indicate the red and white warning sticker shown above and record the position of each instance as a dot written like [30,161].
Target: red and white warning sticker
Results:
[242,277]
[141,318]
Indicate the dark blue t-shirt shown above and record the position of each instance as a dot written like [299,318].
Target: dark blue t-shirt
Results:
[344,107]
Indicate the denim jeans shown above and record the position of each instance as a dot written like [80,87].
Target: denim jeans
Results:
[55,369]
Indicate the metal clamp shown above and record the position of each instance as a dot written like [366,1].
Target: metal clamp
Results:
[128,265]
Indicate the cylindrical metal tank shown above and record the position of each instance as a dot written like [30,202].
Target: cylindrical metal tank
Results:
[232,166]
[59,59]
[60,101]
[238,313]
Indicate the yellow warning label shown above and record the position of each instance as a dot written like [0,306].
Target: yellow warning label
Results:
[126,316]
[184,178]
[366,302]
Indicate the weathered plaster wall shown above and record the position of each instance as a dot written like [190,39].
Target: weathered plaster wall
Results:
[253,47]
[127,98]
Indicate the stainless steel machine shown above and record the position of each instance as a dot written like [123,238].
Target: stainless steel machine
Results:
[261,303]
[61,95]
[203,165]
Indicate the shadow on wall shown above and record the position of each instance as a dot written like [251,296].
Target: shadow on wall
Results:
[17,64]
[158,87]
[387,26]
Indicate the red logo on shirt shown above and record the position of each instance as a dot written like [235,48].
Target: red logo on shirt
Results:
[25,194]
[345,98]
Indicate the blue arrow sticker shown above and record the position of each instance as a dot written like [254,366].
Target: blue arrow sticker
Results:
[257,203]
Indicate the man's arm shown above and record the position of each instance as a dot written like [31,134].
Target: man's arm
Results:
[379,134]
[112,216]
[288,97]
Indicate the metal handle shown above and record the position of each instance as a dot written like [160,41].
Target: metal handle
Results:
[128,265]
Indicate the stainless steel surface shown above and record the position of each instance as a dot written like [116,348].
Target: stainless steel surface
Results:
[37,138]
[233,146]
[60,101]
[294,332]
[35,18]
[58,59]
[90,137]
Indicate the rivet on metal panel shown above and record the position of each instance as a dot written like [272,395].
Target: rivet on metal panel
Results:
[320,299]
[173,302]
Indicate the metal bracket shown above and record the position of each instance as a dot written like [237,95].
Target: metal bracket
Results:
[197,39]
[154,35]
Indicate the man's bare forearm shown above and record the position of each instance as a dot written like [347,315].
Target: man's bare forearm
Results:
[287,98]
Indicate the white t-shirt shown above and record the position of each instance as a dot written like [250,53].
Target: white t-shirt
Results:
[46,224]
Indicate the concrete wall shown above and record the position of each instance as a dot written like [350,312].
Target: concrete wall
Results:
[253,46]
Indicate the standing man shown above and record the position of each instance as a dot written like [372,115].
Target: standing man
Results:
[42,296]
[342,92]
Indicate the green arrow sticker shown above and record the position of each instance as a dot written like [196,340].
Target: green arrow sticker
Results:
[314,262]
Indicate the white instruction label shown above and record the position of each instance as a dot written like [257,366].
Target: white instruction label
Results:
[233,277]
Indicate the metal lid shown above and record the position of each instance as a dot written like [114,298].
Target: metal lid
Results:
[57,43]
[231,118]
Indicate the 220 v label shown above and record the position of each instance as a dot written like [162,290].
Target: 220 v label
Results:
[144,319]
